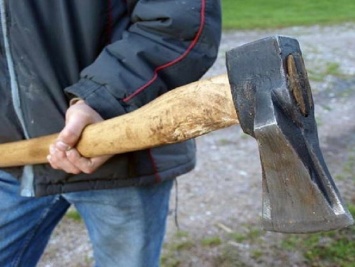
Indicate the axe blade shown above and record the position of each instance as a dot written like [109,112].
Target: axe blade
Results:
[273,99]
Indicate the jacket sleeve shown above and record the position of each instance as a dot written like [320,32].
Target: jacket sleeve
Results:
[168,44]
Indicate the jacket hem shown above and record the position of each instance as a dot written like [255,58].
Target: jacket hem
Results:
[97,184]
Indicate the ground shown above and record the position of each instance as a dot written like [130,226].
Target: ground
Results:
[222,196]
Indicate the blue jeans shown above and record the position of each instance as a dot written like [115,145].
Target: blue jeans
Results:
[126,226]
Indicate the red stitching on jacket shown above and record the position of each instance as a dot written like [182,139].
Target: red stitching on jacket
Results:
[188,50]
[109,23]
[156,173]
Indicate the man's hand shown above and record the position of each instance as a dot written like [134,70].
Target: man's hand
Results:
[62,154]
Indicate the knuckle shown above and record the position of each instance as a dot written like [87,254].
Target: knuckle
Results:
[69,135]
[60,156]
[88,170]
[53,164]
[75,171]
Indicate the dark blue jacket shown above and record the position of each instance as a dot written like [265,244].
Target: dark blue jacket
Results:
[117,55]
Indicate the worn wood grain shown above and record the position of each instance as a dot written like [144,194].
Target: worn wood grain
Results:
[181,114]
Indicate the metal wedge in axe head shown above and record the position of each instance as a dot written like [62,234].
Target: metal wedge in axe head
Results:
[273,99]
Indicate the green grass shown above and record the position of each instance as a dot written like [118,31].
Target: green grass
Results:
[73,215]
[211,241]
[180,243]
[335,248]
[254,246]
[238,14]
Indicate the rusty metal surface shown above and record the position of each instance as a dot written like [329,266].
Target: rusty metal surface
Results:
[274,103]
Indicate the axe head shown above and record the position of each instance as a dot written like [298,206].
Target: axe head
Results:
[273,99]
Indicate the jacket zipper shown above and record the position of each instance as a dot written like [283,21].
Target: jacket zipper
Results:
[27,176]
[10,63]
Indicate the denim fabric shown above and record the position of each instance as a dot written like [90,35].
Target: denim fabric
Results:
[126,226]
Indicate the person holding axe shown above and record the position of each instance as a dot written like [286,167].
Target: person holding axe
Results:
[68,64]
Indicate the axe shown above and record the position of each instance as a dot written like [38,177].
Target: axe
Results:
[267,91]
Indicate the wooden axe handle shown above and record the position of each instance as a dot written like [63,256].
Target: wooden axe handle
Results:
[178,115]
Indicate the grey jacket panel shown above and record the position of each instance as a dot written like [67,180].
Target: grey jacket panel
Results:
[117,56]
[167,44]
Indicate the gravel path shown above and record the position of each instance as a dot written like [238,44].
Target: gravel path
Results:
[224,191]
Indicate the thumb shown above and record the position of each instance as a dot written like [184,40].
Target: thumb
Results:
[71,133]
